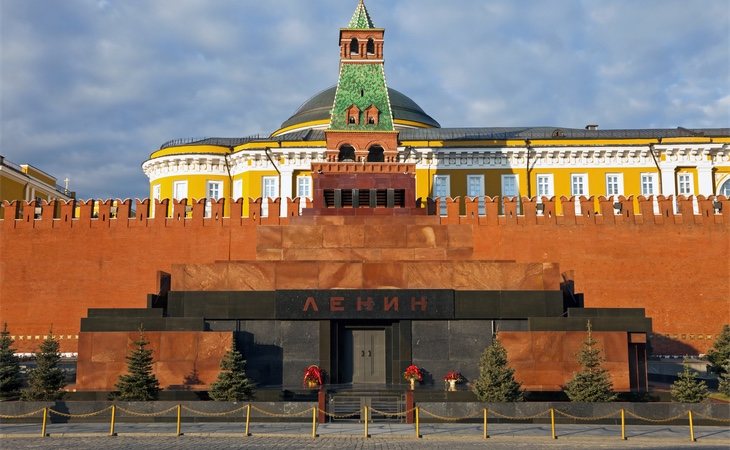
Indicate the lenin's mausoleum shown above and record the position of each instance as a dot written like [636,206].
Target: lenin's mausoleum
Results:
[363,237]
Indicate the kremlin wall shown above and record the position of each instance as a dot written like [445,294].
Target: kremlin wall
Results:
[61,259]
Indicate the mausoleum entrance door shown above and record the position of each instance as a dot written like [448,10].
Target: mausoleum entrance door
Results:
[365,363]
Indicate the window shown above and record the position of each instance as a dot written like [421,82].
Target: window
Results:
[475,188]
[304,187]
[725,189]
[237,189]
[442,190]
[180,190]
[269,189]
[545,186]
[371,47]
[614,184]
[510,188]
[354,47]
[156,192]
[684,184]
[213,191]
[648,184]
[579,184]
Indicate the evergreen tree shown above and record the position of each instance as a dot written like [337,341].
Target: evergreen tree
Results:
[232,383]
[140,383]
[719,354]
[47,379]
[593,382]
[724,387]
[10,379]
[687,388]
[496,382]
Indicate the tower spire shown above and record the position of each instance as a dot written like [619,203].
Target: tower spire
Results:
[361,19]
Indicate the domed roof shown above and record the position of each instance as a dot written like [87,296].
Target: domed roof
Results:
[319,107]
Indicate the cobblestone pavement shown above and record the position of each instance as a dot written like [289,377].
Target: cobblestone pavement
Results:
[215,436]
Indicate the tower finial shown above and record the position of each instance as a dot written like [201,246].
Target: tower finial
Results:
[361,19]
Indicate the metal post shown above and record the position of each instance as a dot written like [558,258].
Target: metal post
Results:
[418,425]
[552,423]
[248,418]
[691,428]
[486,434]
[623,425]
[314,422]
[114,417]
[45,419]
[179,416]
[367,431]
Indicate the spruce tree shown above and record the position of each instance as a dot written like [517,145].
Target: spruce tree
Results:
[719,354]
[496,382]
[593,382]
[10,379]
[140,383]
[46,380]
[687,388]
[232,383]
[724,387]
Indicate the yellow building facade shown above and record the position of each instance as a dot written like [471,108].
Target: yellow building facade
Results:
[450,162]
[25,182]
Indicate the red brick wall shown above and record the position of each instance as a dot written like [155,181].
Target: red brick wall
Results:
[52,271]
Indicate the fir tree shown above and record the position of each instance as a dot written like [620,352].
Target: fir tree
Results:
[47,379]
[724,387]
[687,388]
[10,379]
[719,354]
[593,382]
[496,382]
[232,383]
[140,383]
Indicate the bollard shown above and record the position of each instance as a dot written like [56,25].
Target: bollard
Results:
[179,415]
[248,418]
[45,419]
[691,428]
[623,425]
[552,423]
[486,435]
[314,422]
[367,433]
[418,425]
[111,425]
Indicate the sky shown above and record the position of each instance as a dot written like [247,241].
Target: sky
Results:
[89,88]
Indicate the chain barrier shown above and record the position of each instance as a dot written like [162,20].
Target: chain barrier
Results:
[270,414]
[80,416]
[388,414]
[450,419]
[502,416]
[588,419]
[211,414]
[649,419]
[339,416]
[138,414]
[21,416]
[716,419]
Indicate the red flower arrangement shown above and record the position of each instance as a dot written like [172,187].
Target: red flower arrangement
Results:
[452,376]
[313,375]
[413,373]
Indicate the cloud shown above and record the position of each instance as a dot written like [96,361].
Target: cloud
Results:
[89,88]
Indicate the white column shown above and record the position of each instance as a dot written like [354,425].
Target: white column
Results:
[704,178]
[668,179]
[285,187]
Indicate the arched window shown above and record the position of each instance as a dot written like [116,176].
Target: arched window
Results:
[371,47]
[725,189]
[376,154]
[347,153]
[354,47]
